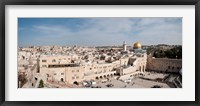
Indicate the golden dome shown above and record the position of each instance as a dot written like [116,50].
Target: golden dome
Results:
[137,45]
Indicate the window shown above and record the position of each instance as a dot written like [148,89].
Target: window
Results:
[90,68]
[77,70]
[62,73]
[68,58]
[44,60]
[168,67]
[61,79]
[44,65]
[55,74]
[73,71]
[73,78]
[77,77]
[53,60]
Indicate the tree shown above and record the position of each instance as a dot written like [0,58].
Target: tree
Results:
[174,53]
[41,84]
[155,55]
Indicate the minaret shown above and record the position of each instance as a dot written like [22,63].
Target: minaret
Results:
[124,46]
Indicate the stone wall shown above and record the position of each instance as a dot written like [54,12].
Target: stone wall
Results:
[164,65]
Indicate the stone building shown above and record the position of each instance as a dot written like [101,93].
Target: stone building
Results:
[164,64]
[73,68]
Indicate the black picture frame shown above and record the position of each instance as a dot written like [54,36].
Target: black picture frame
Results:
[99,2]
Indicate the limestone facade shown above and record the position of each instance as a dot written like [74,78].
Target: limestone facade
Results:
[164,64]
[61,69]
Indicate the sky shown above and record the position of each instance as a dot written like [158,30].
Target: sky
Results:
[99,31]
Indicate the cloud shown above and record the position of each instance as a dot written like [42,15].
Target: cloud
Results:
[112,31]
[162,31]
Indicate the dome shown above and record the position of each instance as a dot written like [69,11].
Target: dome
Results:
[137,45]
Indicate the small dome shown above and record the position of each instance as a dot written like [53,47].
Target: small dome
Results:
[137,45]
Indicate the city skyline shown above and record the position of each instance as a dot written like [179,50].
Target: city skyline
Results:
[99,31]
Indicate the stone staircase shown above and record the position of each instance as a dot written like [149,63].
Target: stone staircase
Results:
[174,81]
[177,82]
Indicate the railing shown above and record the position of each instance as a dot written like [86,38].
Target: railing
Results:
[63,65]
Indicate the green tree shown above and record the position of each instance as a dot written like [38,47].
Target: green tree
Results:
[41,84]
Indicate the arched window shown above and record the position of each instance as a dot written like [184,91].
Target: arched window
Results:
[61,79]
[140,68]
[111,75]
[53,60]
[143,69]
[75,82]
